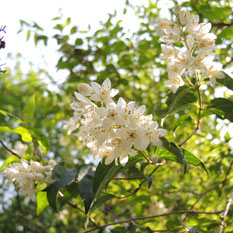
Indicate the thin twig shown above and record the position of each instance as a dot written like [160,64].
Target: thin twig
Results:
[198,126]
[9,150]
[81,210]
[222,223]
[138,188]
[154,216]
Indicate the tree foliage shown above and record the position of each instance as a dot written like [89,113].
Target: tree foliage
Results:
[189,186]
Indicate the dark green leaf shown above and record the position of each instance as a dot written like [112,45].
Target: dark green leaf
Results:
[69,192]
[227,81]
[85,182]
[64,177]
[222,107]
[101,200]
[170,146]
[52,199]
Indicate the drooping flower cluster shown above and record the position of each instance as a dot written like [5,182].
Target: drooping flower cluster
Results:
[111,129]
[26,174]
[195,55]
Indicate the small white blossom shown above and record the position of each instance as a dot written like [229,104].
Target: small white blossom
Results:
[195,56]
[112,131]
[26,174]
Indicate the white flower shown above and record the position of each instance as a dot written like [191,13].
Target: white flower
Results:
[103,93]
[184,17]
[174,83]
[26,174]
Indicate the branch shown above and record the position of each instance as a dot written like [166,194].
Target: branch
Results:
[9,150]
[222,223]
[144,180]
[154,216]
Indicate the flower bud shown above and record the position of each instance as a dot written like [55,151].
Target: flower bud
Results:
[155,158]
[52,163]
[177,9]
[164,25]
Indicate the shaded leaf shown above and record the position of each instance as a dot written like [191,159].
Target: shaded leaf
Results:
[227,81]
[85,182]
[222,107]
[52,199]
[64,177]
[101,200]
[170,146]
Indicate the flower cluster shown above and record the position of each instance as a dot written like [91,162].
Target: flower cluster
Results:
[26,174]
[196,53]
[112,129]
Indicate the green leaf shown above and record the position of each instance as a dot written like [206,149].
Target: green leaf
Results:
[42,202]
[227,33]
[73,30]
[227,81]
[25,134]
[170,146]
[28,34]
[29,108]
[101,200]
[64,177]
[85,181]
[105,173]
[68,21]
[69,192]
[183,98]
[222,107]
[214,13]
[52,199]
[12,159]
[189,157]
[10,115]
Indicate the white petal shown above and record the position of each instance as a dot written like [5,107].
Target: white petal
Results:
[107,122]
[156,141]
[95,97]
[113,92]
[161,132]
[81,98]
[102,112]
[124,159]
[84,89]
[140,110]
[119,120]
[141,142]
[102,137]
[96,87]
[106,84]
